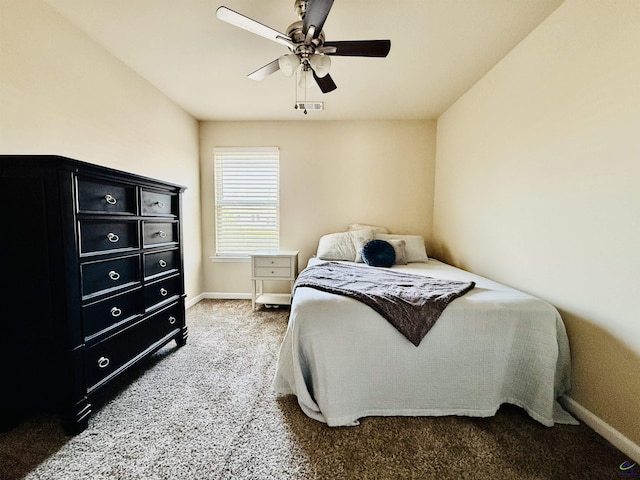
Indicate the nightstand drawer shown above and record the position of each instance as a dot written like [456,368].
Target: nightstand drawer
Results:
[273,262]
[272,272]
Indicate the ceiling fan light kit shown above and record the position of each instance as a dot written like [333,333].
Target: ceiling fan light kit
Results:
[288,64]
[309,53]
[320,64]
[306,79]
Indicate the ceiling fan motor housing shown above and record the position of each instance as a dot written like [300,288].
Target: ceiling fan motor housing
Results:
[300,7]
[294,32]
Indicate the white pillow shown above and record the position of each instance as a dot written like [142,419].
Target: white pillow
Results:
[336,246]
[362,226]
[414,245]
[400,247]
[343,245]
[360,239]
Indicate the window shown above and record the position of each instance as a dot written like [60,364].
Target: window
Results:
[247,200]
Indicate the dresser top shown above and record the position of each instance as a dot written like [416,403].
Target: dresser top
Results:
[60,162]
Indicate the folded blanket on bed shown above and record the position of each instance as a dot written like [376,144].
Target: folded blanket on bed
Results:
[411,303]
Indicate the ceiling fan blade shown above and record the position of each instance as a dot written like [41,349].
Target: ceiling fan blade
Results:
[316,15]
[237,19]
[264,72]
[325,83]
[357,48]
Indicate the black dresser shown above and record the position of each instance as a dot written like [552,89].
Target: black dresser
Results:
[92,281]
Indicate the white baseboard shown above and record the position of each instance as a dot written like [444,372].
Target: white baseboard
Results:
[192,301]
[617,439]
[228,296]
[219,296]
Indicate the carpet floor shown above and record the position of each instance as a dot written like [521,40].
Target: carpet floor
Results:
[207,411]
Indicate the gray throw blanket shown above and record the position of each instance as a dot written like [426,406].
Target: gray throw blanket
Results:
[411,303]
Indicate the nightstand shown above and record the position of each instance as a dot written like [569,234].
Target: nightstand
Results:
[269,265]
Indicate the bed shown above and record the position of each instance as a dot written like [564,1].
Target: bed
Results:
[492,345]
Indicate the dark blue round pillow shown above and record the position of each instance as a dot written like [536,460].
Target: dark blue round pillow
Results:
[378,253]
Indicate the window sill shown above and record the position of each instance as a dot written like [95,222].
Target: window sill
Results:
[238,259]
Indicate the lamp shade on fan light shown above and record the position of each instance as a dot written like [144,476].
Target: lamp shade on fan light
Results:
[288,64]
[306,79]
[320,64]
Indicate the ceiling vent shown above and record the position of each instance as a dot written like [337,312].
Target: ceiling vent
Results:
[310,106]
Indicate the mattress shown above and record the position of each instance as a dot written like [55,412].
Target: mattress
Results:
[494,345]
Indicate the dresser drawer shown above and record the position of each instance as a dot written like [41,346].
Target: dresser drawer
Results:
[102,316]
[159,263]
[95,196]
[156,233]
[99,236]
[109,274]
[158,203]
[110,356]
[272,272]
[161,291]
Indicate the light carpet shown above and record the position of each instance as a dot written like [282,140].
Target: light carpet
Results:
[207,411]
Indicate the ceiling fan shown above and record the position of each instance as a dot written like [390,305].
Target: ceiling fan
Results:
[308,51]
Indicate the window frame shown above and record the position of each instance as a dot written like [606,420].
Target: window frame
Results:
[246,197]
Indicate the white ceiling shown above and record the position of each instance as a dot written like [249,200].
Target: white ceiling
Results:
[439,49]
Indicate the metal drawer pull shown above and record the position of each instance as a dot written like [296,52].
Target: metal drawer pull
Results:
[113,275]
[116,312]
[110,199]
[172,320]
[162,234]
[112,237]
[103,362]
[163,292]
[160,204]
[162,263]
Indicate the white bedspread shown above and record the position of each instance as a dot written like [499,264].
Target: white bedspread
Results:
[494,345]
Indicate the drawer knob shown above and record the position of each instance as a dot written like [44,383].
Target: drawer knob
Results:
[162,263]
[116,312]
[172,320]
[162,234]
[113,275]
[160,204]
[103,362]
[110,199]
[112,237]
[163,292]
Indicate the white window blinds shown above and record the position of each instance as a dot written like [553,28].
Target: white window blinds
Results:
[247,200]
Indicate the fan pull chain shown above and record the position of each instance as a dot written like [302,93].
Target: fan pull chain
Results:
[305,93]
[295,86]
[296,90]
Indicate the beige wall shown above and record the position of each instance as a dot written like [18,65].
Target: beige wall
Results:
[537,186]
[332,174]
[62,94]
